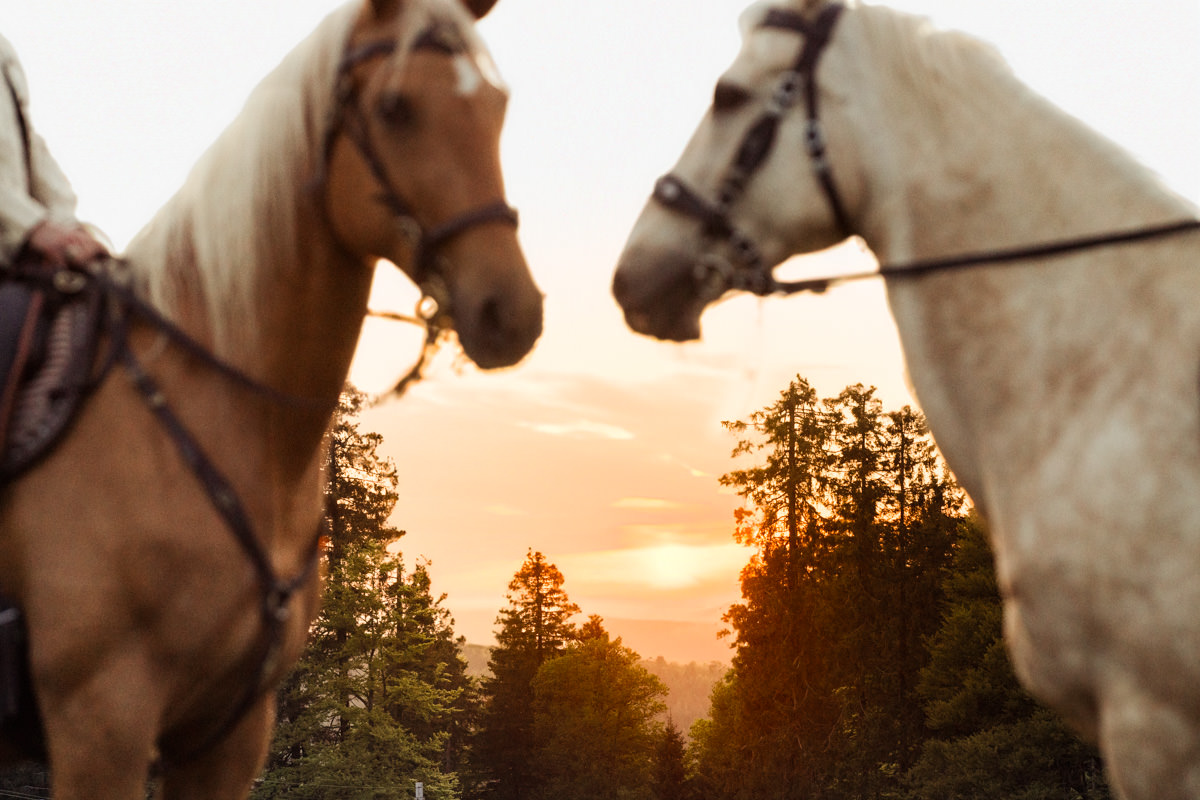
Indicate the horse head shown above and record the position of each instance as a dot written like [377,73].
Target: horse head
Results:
[744,197]
[413,170]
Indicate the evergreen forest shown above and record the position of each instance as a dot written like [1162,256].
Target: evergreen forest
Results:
[867,659]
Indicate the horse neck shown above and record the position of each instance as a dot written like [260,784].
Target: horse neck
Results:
[976,160]
[285,308]
[967,160]
[294,329]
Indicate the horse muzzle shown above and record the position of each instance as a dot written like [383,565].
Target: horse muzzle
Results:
[661,297]
[498,328]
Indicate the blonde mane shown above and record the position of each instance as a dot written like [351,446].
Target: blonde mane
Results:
[215,242]
[209,240]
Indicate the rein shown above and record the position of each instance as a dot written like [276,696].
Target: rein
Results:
[915,269]
[750,272]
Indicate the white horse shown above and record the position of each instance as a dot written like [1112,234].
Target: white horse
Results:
[1062,385]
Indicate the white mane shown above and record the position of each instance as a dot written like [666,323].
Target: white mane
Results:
[946,66]
[215,240]
[950,83]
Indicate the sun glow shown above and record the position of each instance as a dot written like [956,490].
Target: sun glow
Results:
[671,566]
[675,566]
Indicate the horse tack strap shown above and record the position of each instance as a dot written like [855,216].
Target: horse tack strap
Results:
[916,269]
[276,592]
[750,272]
[817,35]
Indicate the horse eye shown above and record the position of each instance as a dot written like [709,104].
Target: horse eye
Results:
[727,97]
[397,110]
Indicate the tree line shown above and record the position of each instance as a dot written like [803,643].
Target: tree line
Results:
[867,652]
[869,661]
[381,699]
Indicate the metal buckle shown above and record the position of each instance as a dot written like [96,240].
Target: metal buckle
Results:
[713,276]
[67,281]
[786,93]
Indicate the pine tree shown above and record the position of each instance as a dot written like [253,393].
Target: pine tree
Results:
[534,628]
[786,494]
[377,699]
[360,487]
[594,721]
[992,740]
[895,515]
[718,752]
[852,519]
[670,779]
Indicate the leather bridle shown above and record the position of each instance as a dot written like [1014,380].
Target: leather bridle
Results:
[349,119]
[750,272]
[714,275]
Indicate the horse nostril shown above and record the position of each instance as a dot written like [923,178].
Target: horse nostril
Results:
[491,319]
[500,332]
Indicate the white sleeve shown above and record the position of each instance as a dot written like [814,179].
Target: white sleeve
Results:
[50,197]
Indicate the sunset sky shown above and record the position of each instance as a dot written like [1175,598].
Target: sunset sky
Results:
[603,449]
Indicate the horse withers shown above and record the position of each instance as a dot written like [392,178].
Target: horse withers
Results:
[1043,284]
[163,554]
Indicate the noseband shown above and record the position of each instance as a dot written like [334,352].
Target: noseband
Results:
[350,119]
[750,272]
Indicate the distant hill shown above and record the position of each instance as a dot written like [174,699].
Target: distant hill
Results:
[477,659]
[651,638]
[674,641]
[678,642]
[689,684]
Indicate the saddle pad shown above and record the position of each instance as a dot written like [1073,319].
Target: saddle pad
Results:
[46,400]
[20,322]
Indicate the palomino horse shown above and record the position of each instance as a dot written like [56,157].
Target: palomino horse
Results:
[1058,373]
[164,553]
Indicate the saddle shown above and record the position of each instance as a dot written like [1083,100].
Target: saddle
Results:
[49,326]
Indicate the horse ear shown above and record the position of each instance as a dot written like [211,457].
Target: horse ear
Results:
[479,7]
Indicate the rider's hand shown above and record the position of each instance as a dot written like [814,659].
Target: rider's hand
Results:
[64,245]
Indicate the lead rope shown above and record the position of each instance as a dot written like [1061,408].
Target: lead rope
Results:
[915,269]
[429,314]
